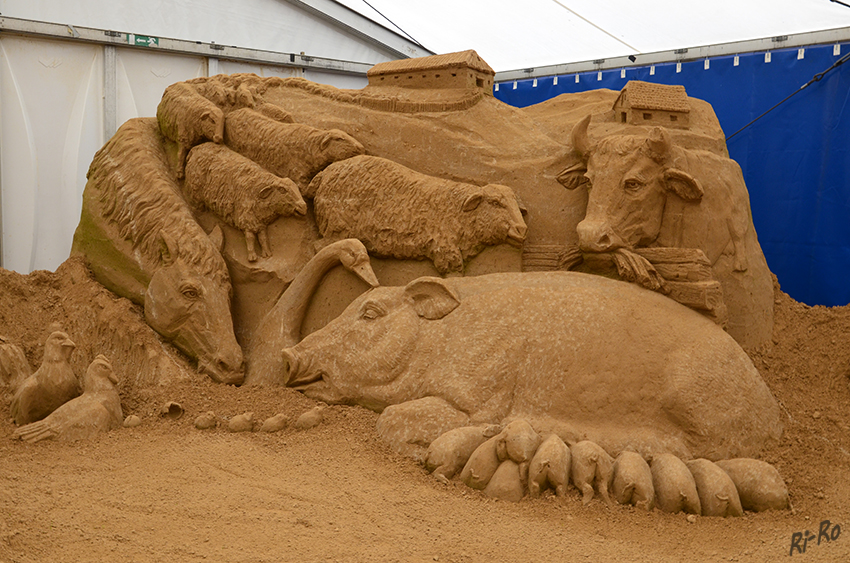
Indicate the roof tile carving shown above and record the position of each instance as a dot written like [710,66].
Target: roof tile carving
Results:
[645,95]
[462,59]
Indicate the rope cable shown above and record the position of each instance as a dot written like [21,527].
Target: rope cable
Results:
[816,78]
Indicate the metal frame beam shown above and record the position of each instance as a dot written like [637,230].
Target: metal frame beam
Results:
[838,35]
[179,46]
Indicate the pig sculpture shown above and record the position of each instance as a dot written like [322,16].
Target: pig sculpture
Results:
[579,355]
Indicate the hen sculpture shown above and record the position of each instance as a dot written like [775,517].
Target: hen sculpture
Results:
[52,385]
[97,410]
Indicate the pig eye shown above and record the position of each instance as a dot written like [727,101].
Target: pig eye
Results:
[372,311]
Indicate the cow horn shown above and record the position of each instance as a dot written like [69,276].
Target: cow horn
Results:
[580,138]
[659,144]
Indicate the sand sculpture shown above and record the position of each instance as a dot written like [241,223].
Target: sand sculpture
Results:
[241,192]
[14,367]
[676,220]
[436,177]
[53,384]
[669,380]
[97,410]
[399,213]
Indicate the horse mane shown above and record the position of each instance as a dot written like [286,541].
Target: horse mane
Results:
[140,198]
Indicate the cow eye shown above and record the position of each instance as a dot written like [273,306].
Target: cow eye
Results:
[372,311]
[632,185]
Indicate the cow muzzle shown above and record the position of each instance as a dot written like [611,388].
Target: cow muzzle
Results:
[597,236]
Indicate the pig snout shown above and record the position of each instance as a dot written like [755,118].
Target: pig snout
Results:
[597,236]
[290,366]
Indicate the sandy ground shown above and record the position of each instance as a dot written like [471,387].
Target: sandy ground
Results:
[165,491]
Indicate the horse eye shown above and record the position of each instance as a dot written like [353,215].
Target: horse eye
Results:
[190,293]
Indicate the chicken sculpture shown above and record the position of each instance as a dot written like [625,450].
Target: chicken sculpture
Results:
[97,410]
[53,383]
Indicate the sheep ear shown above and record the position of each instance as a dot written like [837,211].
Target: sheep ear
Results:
[472,202]
[432,299]
[265,192]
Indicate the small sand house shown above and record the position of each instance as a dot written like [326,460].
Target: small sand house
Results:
[643,103]
[454,70]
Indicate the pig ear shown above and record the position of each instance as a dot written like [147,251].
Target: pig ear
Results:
[683,184]
[432,299]
[472,202]
[573,177]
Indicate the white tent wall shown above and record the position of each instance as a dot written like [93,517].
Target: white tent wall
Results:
[50,111]
[287,26]
[64,89]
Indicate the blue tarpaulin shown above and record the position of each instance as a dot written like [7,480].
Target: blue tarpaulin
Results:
[796,159]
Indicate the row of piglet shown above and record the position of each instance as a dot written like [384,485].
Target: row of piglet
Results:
[507,464]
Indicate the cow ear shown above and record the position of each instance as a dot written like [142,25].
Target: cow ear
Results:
[472,202]
[167,249]
[683,184]
[217,238]
[573,177]
[432,299]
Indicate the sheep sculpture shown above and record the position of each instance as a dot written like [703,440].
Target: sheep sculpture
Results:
[188,118]
[289,150]
[240,192]
[400,213]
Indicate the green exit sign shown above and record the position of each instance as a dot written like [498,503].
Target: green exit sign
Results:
[143,40]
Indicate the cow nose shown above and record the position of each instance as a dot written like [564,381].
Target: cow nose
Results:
[596,237]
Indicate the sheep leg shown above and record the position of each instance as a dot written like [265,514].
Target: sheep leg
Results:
[265,247]
[251,243]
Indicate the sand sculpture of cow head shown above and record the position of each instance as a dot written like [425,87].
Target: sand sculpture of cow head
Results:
[631,178]
[646,192]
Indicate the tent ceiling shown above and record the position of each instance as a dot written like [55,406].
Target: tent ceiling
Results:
[510,35]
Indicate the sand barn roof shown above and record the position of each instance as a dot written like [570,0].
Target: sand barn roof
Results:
[468,59]
[644,95]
